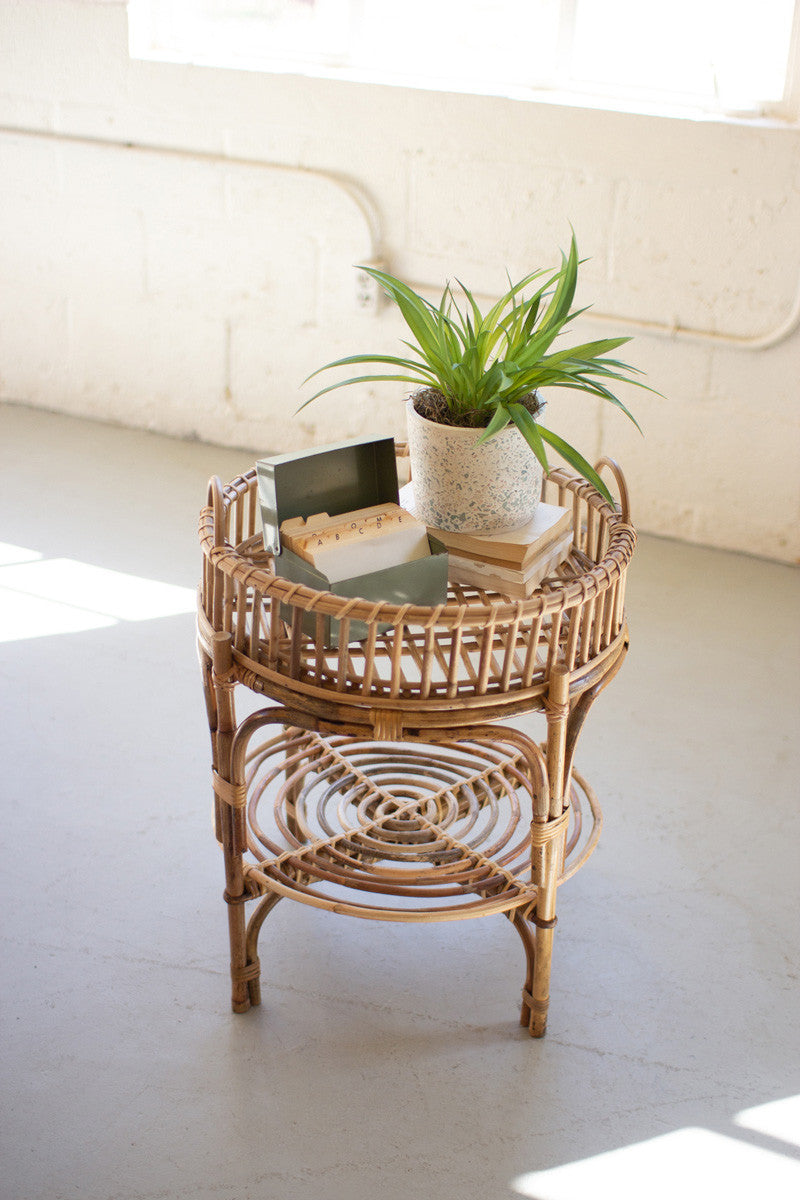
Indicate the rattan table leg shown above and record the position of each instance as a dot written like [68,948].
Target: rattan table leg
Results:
[232,791]
[524,930]
[548,857]
[548,840]
[230,813]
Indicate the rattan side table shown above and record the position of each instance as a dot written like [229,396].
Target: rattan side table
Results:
[380,779]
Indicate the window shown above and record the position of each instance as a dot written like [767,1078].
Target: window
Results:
[727,56]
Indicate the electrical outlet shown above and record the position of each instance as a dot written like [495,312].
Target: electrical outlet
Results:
[369,293]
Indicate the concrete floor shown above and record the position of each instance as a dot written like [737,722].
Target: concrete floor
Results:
[385,1061]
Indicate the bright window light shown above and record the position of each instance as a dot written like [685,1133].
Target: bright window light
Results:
[719,55]
[40,597]
[686,1163]
[730,55]
[779,1119]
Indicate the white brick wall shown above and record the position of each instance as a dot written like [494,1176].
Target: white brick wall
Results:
[177,290]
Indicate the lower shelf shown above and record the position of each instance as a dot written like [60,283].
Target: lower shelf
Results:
[405,831]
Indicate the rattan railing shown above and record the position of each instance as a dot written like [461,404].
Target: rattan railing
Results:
[478,649]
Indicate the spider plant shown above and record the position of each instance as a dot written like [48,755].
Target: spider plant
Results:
[491,363]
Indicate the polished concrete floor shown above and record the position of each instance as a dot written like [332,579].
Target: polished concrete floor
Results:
[385,1061]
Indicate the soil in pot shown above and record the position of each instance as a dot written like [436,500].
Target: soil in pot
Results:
[431,404]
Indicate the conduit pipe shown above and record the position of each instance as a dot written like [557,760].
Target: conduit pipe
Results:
[764,341]
[368,209]
[351,187]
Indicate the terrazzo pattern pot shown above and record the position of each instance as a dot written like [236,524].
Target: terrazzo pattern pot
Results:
[470,488]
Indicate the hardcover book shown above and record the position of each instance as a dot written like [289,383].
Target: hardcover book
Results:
[496,577]
[516,548]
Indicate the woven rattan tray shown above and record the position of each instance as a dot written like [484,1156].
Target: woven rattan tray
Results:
[418,667]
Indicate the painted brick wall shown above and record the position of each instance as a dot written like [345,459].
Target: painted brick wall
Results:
[178,245]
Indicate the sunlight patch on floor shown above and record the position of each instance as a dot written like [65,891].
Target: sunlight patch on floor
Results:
[40,597]
[692,1164]
[778,1119]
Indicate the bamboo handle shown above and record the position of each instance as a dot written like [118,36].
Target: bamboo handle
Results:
[622,486]
[217,504]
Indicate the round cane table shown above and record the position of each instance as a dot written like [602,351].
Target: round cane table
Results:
[382,778]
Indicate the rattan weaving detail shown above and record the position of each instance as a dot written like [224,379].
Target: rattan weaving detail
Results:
[347,824]
[378,780]
[477,645]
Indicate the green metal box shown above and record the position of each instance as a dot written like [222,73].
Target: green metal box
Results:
[336,479]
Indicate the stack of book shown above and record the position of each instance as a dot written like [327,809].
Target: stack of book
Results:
[513,564]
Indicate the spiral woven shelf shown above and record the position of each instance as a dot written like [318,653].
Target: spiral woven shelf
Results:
[399,832]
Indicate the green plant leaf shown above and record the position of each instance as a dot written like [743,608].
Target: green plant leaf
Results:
[494,314]
[420,315]
[576,460]
[492,380]
[589,350]
[477,316]
[557,312]
[362,379]
[530,431]
[499,421]
[356,359]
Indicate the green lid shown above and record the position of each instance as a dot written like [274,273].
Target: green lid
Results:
[329,479]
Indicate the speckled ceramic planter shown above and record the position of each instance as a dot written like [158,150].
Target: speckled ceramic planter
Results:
[470,488]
